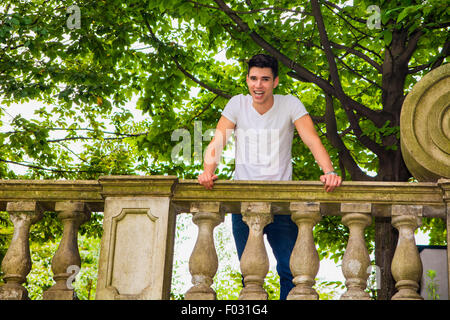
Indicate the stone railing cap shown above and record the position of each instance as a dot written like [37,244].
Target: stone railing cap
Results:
[137,185]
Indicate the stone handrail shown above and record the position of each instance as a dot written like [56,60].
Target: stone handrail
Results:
[139,226]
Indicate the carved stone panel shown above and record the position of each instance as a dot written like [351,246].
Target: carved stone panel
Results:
[137,248]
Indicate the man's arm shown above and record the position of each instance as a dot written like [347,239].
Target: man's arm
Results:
[307,132]
[214,151]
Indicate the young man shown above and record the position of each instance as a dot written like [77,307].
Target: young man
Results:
[264,125]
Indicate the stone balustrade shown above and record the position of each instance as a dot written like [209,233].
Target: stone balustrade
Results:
[139,229]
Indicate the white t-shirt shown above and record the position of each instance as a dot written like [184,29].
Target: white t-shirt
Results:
[263,143]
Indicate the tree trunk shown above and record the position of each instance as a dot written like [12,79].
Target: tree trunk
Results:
[391,164]
[386,237]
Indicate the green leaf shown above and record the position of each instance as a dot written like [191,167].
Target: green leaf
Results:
[403,14]
[387,37]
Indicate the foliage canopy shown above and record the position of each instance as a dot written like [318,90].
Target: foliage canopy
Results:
[182,59]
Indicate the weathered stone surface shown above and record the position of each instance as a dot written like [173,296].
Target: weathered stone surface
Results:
[139,227]
[356,259]
[304,262]
[67,258]
[445,186]
[48,192]
[236,191]
[231,193]
[134,186]
[203,262]
[137,243]
[425,126]
[16,263]
[254,260]
[406,264]
[136,249]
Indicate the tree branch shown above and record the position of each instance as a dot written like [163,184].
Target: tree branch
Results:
[328,3]
[184,71]
[411,47]
[272,9]
[344,154]
[445,52]
[32,166]
[204,85]
[94,138]
[198,4]
[81,129]
[345,100]
[345,20]
[301,71]
[357,73]
[334,74]
[358,54]
[204,108]
[364,139]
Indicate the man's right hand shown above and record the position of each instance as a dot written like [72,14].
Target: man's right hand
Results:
[207,179]
[212,155]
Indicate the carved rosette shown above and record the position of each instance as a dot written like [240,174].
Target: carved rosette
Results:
[425,126]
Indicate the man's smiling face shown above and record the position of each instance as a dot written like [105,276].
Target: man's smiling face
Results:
[260,84]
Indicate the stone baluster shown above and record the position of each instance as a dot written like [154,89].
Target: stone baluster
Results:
[305,260]
[406,264]
[66,262]
[203,262]
[356,260]
[17,262]
[254,260]
[444,184]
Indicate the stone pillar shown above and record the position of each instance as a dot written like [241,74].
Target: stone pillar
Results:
[445,186]
[203,262]
[254,260]
[406,264]
[67,258]
[136,251]
[305,260]
[17,262]
[356,261]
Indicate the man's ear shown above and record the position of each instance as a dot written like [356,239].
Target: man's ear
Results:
[275,82]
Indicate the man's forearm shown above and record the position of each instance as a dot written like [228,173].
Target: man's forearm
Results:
[307,132]
[322,157]
[324,161]
[214,151]
[212,156]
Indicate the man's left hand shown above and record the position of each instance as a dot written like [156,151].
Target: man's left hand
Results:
[331,181]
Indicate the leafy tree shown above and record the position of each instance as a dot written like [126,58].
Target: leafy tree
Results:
[352,77]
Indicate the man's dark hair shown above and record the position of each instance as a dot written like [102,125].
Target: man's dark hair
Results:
[264,61]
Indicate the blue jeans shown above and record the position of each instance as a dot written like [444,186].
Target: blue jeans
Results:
[281,235]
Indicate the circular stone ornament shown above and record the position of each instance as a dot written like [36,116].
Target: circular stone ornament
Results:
[425,126]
